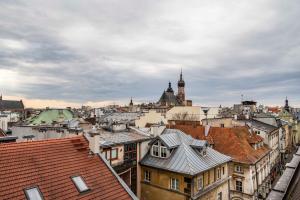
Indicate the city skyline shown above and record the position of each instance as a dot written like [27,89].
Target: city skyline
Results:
[62,54]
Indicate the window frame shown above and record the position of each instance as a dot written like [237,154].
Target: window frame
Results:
[152,149]
[117,152]
[238,167]
[78,189]
[162,148]
[147,176]
[176,184]
[239,187]
[219,176]
[200,180]
[33,187]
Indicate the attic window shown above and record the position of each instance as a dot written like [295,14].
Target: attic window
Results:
[33,194]
[80,184]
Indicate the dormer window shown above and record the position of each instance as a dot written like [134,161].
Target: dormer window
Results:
[159,150]
[33,194]
[163,152]
[155,149]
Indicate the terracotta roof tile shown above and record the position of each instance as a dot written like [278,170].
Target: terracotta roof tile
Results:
[49,164]
[234,142]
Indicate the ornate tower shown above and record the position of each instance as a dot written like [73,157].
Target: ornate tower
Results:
[181,92]
[286,106]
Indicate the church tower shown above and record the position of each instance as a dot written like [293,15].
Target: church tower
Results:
[181,92]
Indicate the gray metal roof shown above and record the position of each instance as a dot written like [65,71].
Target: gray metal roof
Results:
[260,125]
[184,158]
[113,138]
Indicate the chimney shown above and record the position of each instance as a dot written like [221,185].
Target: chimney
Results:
[94,143]
[157,129]
[207,127]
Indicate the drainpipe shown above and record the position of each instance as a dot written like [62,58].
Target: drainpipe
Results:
[256,176]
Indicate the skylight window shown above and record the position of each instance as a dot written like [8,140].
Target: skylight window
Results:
[33,194]
[80,184]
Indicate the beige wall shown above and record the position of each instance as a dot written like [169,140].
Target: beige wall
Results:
[152,117]
[190,113]
[227,122]
[159,186]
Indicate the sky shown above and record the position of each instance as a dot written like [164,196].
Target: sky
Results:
[62,53]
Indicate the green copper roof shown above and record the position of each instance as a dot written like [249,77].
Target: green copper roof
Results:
[47,117]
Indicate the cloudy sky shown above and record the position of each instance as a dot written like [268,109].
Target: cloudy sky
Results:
[68,52]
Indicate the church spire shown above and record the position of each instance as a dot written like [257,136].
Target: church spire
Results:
[131,102]
[286,106]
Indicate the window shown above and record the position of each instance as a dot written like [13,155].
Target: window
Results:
[218,173]
[33,194]
[238,168]
[223,169]
[114,154]
[222,125]
[155,150]
[79,183]
[239,186]
[174,184]
[200,183]
[163,152]
[219,196]
[147,176]
[130,152]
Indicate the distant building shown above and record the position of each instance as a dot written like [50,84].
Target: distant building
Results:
[169,99]
[58,169]
[50,123]
[179,167]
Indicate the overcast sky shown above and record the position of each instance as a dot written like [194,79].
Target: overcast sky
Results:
[69,52]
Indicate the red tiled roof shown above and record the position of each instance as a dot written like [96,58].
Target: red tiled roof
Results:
[234,142]
[49,164]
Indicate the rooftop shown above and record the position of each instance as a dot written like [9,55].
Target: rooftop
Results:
[11,105]
[108,138]
[48,117]
[228,140]
[50,165]
[184,158]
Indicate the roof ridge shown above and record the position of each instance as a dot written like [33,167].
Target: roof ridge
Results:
[49,140]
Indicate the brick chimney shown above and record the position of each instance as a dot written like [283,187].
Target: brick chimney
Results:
[94,143]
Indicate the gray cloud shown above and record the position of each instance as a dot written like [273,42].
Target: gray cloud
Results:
[108,50]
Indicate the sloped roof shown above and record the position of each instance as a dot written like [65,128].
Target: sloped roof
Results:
[184,158]
[122,137]
[11,105]
[168,97]
[47,117]
[49,164]
[234,142]
[260,125]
